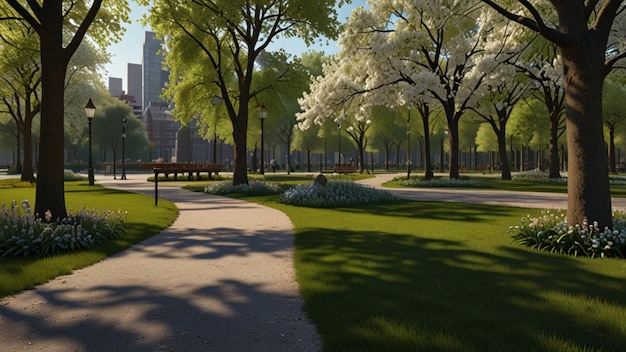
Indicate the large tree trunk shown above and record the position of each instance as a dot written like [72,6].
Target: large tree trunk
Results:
[612,163]
[240,130]
[27,166]
[554,145]
[505,165]
[453,138]
[428,163]
[361,157]
[589,196]
[50,193]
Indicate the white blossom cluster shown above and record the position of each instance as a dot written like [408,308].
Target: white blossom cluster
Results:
[451,51]
[551,232]
[403,51]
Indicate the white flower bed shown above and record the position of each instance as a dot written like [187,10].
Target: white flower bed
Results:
[334,194]
[252,188]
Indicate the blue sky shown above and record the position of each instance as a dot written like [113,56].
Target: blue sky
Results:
[129,49]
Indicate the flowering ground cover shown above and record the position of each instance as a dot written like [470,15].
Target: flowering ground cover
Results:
[23,233]
[142,220]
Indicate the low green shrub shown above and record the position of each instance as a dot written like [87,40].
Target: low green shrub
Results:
[550,232]
[22,233]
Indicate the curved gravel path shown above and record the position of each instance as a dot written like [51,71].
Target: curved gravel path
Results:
[220,278]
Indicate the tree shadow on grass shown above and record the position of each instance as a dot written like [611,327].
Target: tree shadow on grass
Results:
[383,291]
[448,211]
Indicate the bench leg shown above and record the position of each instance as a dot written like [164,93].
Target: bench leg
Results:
[156,188]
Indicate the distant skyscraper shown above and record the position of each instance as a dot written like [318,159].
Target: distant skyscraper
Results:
[115,86]
[154,77]
[134,83]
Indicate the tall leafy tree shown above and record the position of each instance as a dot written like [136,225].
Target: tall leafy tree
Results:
[20,82]
[614,115]
[503,90]
[220,42]
[540,64]
[61,27]
[590,38]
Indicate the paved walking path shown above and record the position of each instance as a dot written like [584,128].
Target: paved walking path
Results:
[219,279]
[540,200]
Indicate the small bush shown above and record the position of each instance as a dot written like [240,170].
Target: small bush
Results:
[550,232]
[334,195]
[22,233]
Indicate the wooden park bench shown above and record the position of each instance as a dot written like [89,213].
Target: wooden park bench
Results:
[339,170]
[344,169]
[182,168]
[179,168]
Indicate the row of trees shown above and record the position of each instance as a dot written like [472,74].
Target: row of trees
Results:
[444,53]
[20,102]
[461,56]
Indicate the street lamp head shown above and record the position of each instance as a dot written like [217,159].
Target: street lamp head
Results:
[125,120]
[262,112]
[409,106]
[90,109]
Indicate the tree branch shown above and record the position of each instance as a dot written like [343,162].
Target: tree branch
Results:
[536,25]
[82,30]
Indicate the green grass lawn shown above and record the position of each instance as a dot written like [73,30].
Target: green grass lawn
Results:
[143,220]
[421,276]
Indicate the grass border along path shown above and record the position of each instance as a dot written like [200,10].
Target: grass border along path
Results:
[143,221]
[425,276]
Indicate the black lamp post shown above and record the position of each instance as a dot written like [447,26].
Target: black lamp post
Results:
[262,117]
[408,144]
[90,110]
[339,143]
[445,133]
[216,100]
[123,148]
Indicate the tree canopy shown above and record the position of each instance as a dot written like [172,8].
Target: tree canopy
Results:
[213,48]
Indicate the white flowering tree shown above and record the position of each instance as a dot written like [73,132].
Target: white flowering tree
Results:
[401,51]
[590,37]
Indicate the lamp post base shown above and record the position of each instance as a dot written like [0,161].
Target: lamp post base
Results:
[90,176]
